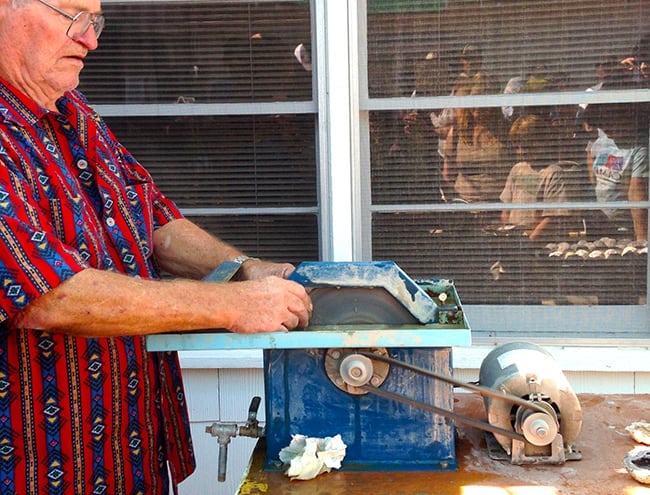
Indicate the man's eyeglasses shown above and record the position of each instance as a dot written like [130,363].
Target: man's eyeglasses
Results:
[80,22]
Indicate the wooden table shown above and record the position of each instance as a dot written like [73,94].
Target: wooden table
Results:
[603,442]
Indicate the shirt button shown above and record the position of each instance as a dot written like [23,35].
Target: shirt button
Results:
[110,221]
[82,164]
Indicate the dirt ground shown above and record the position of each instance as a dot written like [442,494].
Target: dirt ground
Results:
[603,443]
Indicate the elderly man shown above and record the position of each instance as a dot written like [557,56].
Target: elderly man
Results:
[83,234]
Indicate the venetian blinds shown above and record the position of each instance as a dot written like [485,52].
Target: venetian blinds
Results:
[174,51]
[170,72]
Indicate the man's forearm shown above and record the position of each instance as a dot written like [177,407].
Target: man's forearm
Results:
[185,250]
[95,303]
[100,303]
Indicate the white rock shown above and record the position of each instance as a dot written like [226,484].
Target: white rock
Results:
[639,431]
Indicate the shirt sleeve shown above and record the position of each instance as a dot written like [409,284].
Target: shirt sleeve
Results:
[33,259]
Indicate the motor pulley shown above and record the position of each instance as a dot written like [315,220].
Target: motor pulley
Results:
[539,428]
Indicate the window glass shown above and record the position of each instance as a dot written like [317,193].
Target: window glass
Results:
[519,200]
[226,161]
[201,52]
[502,269]
[283,238]
[249,177]
[558,42]
[240,162]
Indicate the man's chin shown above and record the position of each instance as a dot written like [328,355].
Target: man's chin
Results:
[69,85]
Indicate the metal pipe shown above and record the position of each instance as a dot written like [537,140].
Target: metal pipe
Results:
[223,460]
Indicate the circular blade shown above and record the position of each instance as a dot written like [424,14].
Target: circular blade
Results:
[357,305]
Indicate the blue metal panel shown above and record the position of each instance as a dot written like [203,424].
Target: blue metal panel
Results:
[342,336]
[380,434]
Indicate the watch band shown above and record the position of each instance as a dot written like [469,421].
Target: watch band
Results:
[227,270]
[242,258]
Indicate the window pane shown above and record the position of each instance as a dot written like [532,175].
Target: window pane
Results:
[412,163]
[152,52]
[282,238]
[404,160]
[523,204]
[226,161]
[498,248]
[416,44]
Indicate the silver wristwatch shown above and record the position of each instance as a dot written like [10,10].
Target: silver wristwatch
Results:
[241,259]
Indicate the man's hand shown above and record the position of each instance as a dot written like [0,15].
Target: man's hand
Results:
[254,269]
[268,305]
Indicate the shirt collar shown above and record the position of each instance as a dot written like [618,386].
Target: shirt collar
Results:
[18,108]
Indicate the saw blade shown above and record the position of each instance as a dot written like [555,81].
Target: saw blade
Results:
[357,305]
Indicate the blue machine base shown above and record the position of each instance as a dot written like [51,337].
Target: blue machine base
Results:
[380,434]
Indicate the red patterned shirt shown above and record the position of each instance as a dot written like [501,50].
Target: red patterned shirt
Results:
[79,415]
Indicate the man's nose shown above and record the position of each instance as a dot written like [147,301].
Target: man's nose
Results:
[88,39]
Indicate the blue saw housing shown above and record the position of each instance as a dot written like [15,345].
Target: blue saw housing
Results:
[380,434]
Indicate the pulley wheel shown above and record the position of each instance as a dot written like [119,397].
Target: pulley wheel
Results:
[349,370]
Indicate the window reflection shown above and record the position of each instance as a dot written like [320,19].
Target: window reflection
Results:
[617,161]
[547,45]
[227,161]
[199,52]
[486,224]
[475,157]
[523,254]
